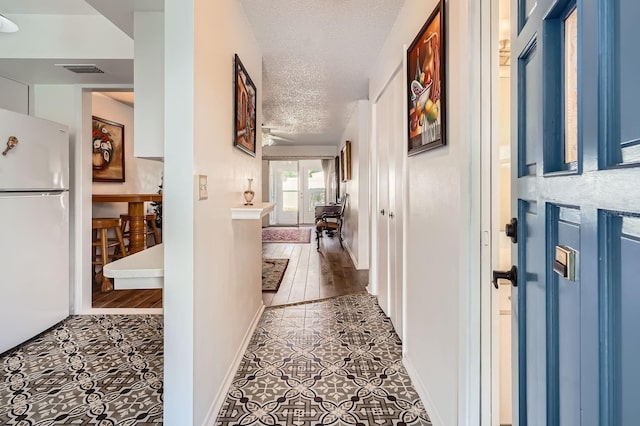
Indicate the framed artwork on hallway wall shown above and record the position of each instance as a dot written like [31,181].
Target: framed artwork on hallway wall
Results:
[107,156]
[244,125]
[426,85]
[345,162]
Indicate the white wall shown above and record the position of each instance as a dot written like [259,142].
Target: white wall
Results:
[148,79]
[141,175]
[14,95]
[356,224]
[66,36]
[438,220]
[212,263]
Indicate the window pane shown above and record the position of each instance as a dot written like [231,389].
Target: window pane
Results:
[571,87]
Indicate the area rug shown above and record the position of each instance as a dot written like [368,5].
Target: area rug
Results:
[272,273]
[286,235]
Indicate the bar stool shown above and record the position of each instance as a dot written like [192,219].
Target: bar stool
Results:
[100,228]
[152,229]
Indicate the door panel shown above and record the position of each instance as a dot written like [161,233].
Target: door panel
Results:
[629,346]
[529,95]
[577,341]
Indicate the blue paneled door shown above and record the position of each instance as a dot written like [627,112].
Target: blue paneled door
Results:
[576,184]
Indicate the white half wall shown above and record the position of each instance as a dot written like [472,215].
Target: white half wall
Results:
[356,223]
[440,232]
[212,263]
[141,175]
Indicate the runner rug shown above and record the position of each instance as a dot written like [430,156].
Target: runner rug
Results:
[286,235]
[272,273]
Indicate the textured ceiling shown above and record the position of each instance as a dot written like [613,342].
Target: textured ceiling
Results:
[317,58]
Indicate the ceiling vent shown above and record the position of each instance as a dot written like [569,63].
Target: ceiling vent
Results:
[81,68]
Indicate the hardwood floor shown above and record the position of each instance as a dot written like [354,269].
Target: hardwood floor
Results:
[127,298]
[310,275]
[313,275]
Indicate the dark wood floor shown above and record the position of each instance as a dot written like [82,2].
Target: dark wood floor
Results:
[127,298]
[313,275]
[310,275]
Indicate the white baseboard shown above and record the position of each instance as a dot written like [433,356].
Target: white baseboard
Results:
[436,420]
[353,258]
[212,414]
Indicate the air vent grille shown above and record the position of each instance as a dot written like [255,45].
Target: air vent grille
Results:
[81,68]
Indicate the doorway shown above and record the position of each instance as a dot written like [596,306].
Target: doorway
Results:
[501,213]
[296,186]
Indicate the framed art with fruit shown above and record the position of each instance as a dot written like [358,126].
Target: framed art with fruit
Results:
[245,110]
[426,85]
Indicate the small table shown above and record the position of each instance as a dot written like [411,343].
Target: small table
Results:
[321,209]
[137,226]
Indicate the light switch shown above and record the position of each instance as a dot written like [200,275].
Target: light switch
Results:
[203,192]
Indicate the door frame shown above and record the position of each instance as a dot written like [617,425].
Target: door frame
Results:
[490,223]
[488,64]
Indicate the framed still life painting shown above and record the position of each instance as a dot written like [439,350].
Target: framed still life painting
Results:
[107,156]
[426,85]
[245,110]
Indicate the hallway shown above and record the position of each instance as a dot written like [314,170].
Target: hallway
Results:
[312,274]
[337,361]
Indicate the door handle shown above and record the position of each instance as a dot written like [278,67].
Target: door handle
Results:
[510,275]
[382,212]
[390,215]
[11,143]
[511,229]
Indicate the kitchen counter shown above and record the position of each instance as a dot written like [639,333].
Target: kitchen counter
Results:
[141,270]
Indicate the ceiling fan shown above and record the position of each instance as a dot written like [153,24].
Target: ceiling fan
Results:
[268,138]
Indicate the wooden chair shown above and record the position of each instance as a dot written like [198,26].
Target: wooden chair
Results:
[331,223]
[100,228]
[152,229]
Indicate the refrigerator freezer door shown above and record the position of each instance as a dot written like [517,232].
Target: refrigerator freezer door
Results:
[40,160]
[34,265]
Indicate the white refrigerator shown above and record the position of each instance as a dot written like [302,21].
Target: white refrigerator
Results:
[34,227]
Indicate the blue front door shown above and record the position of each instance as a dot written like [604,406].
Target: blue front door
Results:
[576,152]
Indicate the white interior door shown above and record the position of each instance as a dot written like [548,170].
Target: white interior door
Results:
[312,185]
[390,186]
[283,190]
[395,153]
[384,108]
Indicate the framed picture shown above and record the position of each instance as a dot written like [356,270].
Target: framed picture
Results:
[347,159]
[107,157]
[343,176]
[426,89]
[245,110]
[336,164]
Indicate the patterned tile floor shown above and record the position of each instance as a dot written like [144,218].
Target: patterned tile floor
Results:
[335,362]
[98,370]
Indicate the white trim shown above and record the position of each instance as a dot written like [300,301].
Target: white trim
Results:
[353,258]
[469,397]
[429,406]
[404,176]
[257,211]
[212,413]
